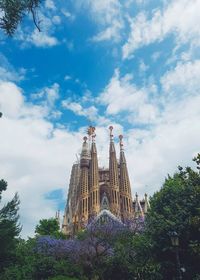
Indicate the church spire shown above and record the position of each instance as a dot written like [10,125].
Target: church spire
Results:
[94,178]
[83,185]
[125,188]
[114,177]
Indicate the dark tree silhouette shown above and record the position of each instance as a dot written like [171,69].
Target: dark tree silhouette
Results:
[13,11]
[9,227]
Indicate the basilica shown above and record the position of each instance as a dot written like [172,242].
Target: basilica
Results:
[95,191]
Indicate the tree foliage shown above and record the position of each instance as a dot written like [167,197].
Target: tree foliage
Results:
[9,227]
[31,264]
[139,250]
[176,207]
[13,11]
[49,227]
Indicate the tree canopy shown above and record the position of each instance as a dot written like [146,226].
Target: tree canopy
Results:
[9,227]
[176,207]
[113,251]
[12,13]
[49,227]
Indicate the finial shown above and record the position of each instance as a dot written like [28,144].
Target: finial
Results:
[92,133]
[90,130]
[120,142]
[85,139]
[93,138]
[111,129]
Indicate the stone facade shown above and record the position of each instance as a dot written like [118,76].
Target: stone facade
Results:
[93,189]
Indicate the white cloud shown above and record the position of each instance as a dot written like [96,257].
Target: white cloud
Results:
[155,56]
[49,4]
[90,112]
[49,95]
[182,80]
[108,15]
[147,105]
[67,77]
[56,20]
[111,32]
[179,17]
[143,67]
[69,44]
[36,157]
[156,152]
[68,15]
[52,93]
[48,22]
[41,39]
[7,75]
[7,71]
[121,95]
[10,104]
[173,138]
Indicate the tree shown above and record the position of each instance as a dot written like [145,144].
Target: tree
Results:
[3,187]
[132,259]
[13,11]
[106,249]
[32,263]
[176,208]
[49,227]
[9,227]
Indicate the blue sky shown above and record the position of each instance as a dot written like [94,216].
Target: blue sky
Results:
[134,64]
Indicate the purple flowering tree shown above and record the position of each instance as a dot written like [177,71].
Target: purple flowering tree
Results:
[94,246]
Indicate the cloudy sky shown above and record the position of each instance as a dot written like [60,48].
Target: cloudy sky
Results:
[134,64]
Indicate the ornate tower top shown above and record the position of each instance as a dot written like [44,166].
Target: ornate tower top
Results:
[112,146]
[85,155]
[93,134]
[121,145]
[121,142]
[90,130]
[111,135]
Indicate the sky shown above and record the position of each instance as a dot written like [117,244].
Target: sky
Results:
[132,64]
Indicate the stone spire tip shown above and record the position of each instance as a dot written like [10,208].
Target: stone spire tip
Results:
[93,137]
[121,142]
[90,130]
[111,135]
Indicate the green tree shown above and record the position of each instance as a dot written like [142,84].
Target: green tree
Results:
[49,227]
[132,259]
[9,227]
[13,11]
[29,264]
[176,207]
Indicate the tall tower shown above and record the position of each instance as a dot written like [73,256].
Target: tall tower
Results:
[94,191]
[72,200]
[84,184]
[125,188]
[94,179]
[114,178]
